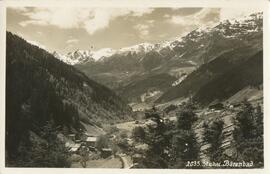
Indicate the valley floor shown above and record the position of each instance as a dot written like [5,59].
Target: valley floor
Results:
[124,159]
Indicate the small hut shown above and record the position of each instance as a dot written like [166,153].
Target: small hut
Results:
[106,152]
[91,141]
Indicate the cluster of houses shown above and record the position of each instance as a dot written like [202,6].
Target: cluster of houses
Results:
[87,143]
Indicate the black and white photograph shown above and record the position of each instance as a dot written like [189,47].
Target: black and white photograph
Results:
[162,87]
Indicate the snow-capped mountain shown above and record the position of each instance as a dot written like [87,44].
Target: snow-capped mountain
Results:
[83,56]
[144,62]
[201,40]
[142,47]
[102,53]
[75,57]
[218,49]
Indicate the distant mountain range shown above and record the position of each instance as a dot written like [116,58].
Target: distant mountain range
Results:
[123,69]
[230,31]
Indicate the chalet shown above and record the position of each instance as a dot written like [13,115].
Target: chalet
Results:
[74,148]
[91,141]
[106,152]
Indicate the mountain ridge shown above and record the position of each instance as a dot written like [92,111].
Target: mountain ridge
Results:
[42,89]
[210,75]
[172,44]
[178,58]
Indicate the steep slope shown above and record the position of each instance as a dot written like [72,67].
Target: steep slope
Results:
[249,93]
[146,85]
[220,78]
[41,89]
[248,73]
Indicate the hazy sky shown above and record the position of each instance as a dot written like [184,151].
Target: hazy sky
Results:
[69,29]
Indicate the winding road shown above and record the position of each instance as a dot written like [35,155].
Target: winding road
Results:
[125,162]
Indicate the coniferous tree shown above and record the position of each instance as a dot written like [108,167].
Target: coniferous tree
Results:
[213,136]
[185,147]
[248,135]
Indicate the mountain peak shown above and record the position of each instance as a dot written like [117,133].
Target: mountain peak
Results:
[230,28]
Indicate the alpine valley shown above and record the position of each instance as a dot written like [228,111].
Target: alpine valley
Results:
[173,70]
[197,97]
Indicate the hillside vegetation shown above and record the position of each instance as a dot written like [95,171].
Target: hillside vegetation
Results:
[42,89]
[220,78]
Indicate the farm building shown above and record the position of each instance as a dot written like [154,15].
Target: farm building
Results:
[91,141]
[106,152]
[74,147]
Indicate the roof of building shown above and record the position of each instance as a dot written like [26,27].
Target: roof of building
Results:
[74,147]
[106,149]
[91,139]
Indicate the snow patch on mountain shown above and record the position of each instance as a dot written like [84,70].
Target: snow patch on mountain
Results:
[105,52]
[230,29]
[140,48]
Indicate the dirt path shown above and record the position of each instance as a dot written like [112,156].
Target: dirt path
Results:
[125,161]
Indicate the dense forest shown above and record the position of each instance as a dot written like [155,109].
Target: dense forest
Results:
[221,78]
[42,91]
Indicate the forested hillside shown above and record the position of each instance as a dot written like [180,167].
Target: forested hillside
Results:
[221,78]
[40,89]
[250,73]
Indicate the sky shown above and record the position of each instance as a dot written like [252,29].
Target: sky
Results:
[65,29]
